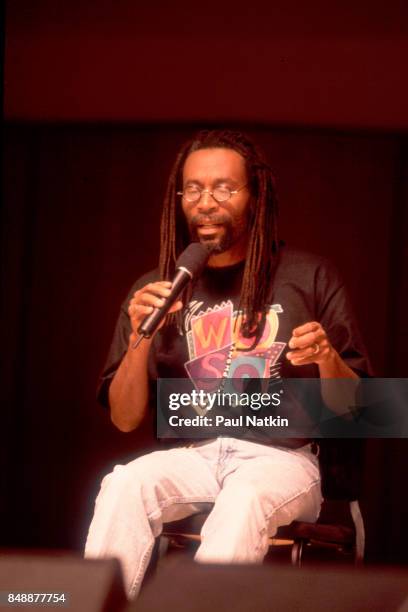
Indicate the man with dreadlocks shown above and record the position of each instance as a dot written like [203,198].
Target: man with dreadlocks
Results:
[259,310]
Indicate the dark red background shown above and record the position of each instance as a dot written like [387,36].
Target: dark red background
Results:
[97,100]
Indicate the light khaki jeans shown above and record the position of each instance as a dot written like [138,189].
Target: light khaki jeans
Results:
[255,489]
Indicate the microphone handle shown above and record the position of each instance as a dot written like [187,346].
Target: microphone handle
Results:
[151,322]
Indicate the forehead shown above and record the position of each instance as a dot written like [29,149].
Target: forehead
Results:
[212,164]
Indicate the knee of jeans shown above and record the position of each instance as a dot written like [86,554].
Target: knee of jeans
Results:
[137,476]
[119,478]
[248,497]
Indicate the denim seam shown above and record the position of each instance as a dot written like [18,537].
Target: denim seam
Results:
[179,500]
[141,568]
[152,516]
[288,501]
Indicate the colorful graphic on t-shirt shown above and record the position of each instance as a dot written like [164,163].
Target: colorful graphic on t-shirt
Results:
[218,350]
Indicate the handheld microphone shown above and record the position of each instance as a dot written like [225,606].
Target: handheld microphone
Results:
[189,265]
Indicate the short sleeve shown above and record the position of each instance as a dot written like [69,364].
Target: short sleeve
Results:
[120,341]
[335,314]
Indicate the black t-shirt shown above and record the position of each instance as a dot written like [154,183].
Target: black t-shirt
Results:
[305,288]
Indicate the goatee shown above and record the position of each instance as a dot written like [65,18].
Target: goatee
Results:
[215,245]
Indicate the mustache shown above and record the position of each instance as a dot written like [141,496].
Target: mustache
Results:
[197,220]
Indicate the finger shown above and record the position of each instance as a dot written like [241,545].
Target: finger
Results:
[148,299]
[302,362]
[158,284]
[310,355]
[297,362]
[310,326]
[308,339]
[302,354]
[176,306]
[161,288]
[137,311]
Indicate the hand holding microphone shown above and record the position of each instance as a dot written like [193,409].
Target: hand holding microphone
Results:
[151,297]
[150,305]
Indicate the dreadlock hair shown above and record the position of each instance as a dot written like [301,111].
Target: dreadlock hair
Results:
[263,243]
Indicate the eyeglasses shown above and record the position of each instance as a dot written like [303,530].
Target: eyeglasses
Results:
[220,194]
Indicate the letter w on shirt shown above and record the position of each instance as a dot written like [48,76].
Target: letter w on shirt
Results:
[212,330]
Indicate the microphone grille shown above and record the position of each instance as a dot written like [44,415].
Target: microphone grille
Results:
[193,258]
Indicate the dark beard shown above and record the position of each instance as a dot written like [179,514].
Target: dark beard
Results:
[216,246]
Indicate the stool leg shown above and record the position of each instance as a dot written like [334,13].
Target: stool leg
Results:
[296,556]
[360,533]
[164,542]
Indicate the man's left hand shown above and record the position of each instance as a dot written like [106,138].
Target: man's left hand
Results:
[309,344]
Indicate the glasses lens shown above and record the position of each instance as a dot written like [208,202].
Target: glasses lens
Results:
[191,194]
[222,194]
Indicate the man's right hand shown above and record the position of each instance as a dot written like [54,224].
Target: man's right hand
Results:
[129,392]
[146,299]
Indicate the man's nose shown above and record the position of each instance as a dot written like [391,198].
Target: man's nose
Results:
[206,203]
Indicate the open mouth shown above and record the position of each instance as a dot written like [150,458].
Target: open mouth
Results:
[201,225]
[205,229]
